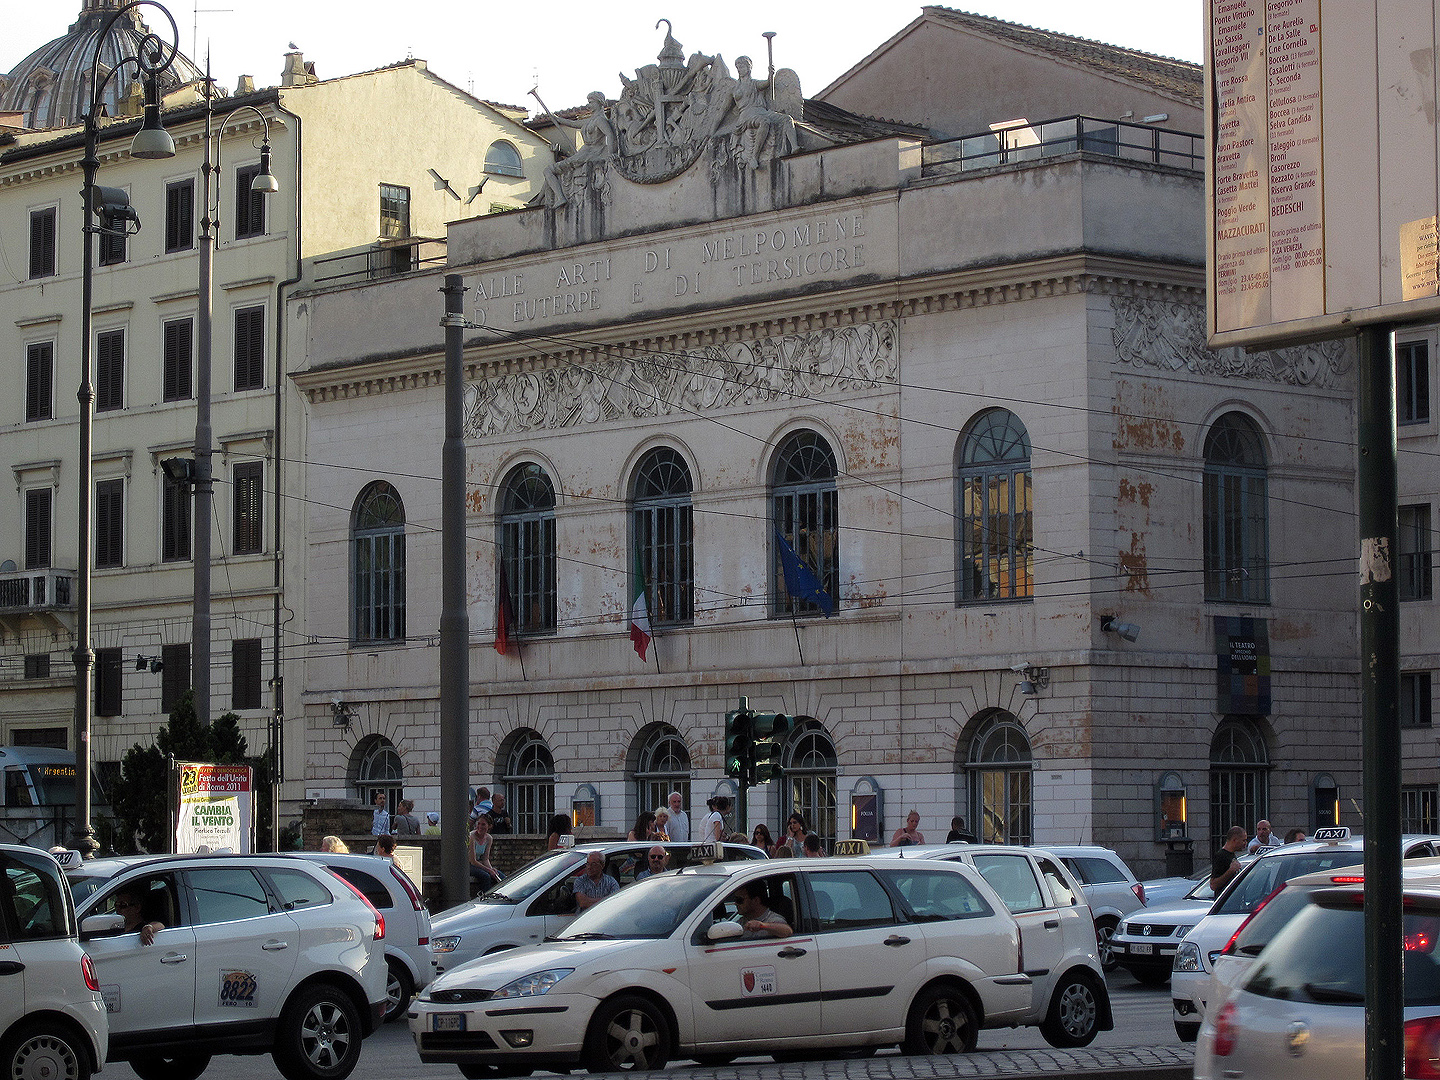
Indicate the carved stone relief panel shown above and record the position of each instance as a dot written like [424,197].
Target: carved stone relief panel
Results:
[790,367]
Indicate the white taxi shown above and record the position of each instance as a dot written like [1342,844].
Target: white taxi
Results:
[52,1021]
[710,962]
[205,954]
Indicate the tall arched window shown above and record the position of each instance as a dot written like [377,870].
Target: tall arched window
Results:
[664,535]
[1237,545]
[378,768]
[1239,777]
[377,565]
[527,547]
[999,768]
[662,766]
[805,511]
[529,777]
[993,493]
[810,777]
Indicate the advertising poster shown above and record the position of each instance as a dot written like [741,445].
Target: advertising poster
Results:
[217,807]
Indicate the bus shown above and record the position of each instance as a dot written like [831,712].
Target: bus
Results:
[37,795]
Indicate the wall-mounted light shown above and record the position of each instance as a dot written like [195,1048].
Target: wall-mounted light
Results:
[154,663]
[341,714]
[1110,624]
[1033,679]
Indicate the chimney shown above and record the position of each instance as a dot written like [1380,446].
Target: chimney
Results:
[246,85]
[297,72]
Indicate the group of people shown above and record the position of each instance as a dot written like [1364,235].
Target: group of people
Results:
[1225,865]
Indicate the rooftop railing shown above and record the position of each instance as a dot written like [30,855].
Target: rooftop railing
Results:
[1068,135]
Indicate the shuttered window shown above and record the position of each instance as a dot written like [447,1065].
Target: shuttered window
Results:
[110,523]
[108,665]
[245,680]
[42,243]
[38,510]
[180,215]
[110,370]
[113,241]
[175,679]
[40,381]
[179,354]
[248,519]
[250,348]
[249,205]
[175,516]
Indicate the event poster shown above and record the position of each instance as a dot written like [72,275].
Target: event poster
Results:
[217,808]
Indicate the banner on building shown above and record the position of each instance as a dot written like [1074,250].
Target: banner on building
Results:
[217,808]
[1242,666]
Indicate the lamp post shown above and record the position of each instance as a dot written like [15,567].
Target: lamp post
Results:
[153,57]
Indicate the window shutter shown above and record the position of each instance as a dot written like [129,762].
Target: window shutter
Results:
[179,352]
[42,243]
[110,523]
[248,518]
[250,348]
[37,527]
[175,678]
[245,680]
[39,380]
[249,205]
[107,682]
[180,216]
[110,370]
[175,521]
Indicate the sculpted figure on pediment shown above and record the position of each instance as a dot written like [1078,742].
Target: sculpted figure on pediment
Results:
[599,143]
[744,113]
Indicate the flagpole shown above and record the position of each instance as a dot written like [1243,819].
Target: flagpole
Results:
[796,623]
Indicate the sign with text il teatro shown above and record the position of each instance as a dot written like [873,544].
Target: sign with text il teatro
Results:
[704,267]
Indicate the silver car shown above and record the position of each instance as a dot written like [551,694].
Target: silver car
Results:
[1110,888]
[1299,1012]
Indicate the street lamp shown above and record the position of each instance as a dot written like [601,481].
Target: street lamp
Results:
[153,57]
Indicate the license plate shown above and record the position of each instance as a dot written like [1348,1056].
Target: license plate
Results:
[1135,950]
[448,1022]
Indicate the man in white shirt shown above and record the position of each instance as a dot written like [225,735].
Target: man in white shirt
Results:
[678,828]
[1263,837]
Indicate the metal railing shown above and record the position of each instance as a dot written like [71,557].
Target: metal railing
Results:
[385,259]
[1067,135]
[25,590]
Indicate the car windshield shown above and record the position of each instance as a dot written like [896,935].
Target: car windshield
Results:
[1201,889]
[652,908]
[533,876]
[1319,958]
[1267,873]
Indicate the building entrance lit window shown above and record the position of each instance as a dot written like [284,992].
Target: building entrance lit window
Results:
[810,780]
[999,768]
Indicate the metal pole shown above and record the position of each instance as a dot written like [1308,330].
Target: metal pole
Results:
[204,461]
[454,615]
[1379,697]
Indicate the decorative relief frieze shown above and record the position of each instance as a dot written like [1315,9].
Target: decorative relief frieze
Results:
[794,367]
[1171,336]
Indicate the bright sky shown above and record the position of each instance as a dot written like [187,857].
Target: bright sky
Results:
[500,50]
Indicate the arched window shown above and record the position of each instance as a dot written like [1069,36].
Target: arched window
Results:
[1239,773]
[377,565]
[999,768]
[378,768]
[1237,546]
[527,548]
[810,777]
[993,493]
[530,778]
[805,512]
[662,766]
[503,159]
[664,535]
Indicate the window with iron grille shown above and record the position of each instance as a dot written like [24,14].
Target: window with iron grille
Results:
[805,511]
[1415,699]
[1239,777]
[175,678]
[37,666]
[663,766]
[527,548]
[110,370]
[39,510]
[113,241]
[377,565]
[1412,382]
[108,666]
[53,737]
[999,767]
[1236,513]
[997,547]
[175,520]
[245,674]
[250,348]
[1419,809]
[248,517]
[810,768]
[1414,581]
[249,205]
[110,523]
[178,359]
[394,211]
[530,779]
[42,242]
[39,381]
[180,215]
[662,523]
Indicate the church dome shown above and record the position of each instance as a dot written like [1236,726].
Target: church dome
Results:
[51,86]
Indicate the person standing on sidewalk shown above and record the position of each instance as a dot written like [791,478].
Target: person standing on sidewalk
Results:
[1225,866]
[679,825]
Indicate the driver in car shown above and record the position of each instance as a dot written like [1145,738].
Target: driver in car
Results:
[755,914]
[132,903]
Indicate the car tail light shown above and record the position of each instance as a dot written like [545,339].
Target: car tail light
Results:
[1225,1031]
[379,919]
[1348,879]
[1139,890]
[87,971]
[1422,1048]
[1229,948]
[408,886]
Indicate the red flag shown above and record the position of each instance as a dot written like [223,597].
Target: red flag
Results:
[504,613]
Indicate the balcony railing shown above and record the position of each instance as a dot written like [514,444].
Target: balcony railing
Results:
[36,590]
[385,259]
[1067,135]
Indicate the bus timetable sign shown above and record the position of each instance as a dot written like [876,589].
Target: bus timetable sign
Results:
[1321,167]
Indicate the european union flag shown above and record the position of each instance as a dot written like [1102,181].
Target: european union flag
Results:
[800,581]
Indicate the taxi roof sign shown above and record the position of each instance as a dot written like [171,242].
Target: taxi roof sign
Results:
[1332,834]
[851,847]
[707,853]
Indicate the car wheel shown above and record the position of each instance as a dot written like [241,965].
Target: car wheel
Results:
[318,1037]
[44,1052]
[1074,1017]
[163,1067]
[1149,976]
[398,989]
[473,1071]
[1187,1032]
[627,1033]
[941,1021]
[1104,931]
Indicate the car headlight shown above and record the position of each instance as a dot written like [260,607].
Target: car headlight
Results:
[532,985]
[1187,957]
[445,944]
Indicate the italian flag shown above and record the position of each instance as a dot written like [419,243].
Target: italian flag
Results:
[639,610]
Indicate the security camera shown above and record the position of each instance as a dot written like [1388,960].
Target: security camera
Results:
[337,702]
[1023,665]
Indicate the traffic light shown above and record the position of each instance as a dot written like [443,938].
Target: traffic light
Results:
[770,733]
[739,743]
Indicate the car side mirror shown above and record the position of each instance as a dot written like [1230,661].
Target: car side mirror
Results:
[95,925]
[724,930]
